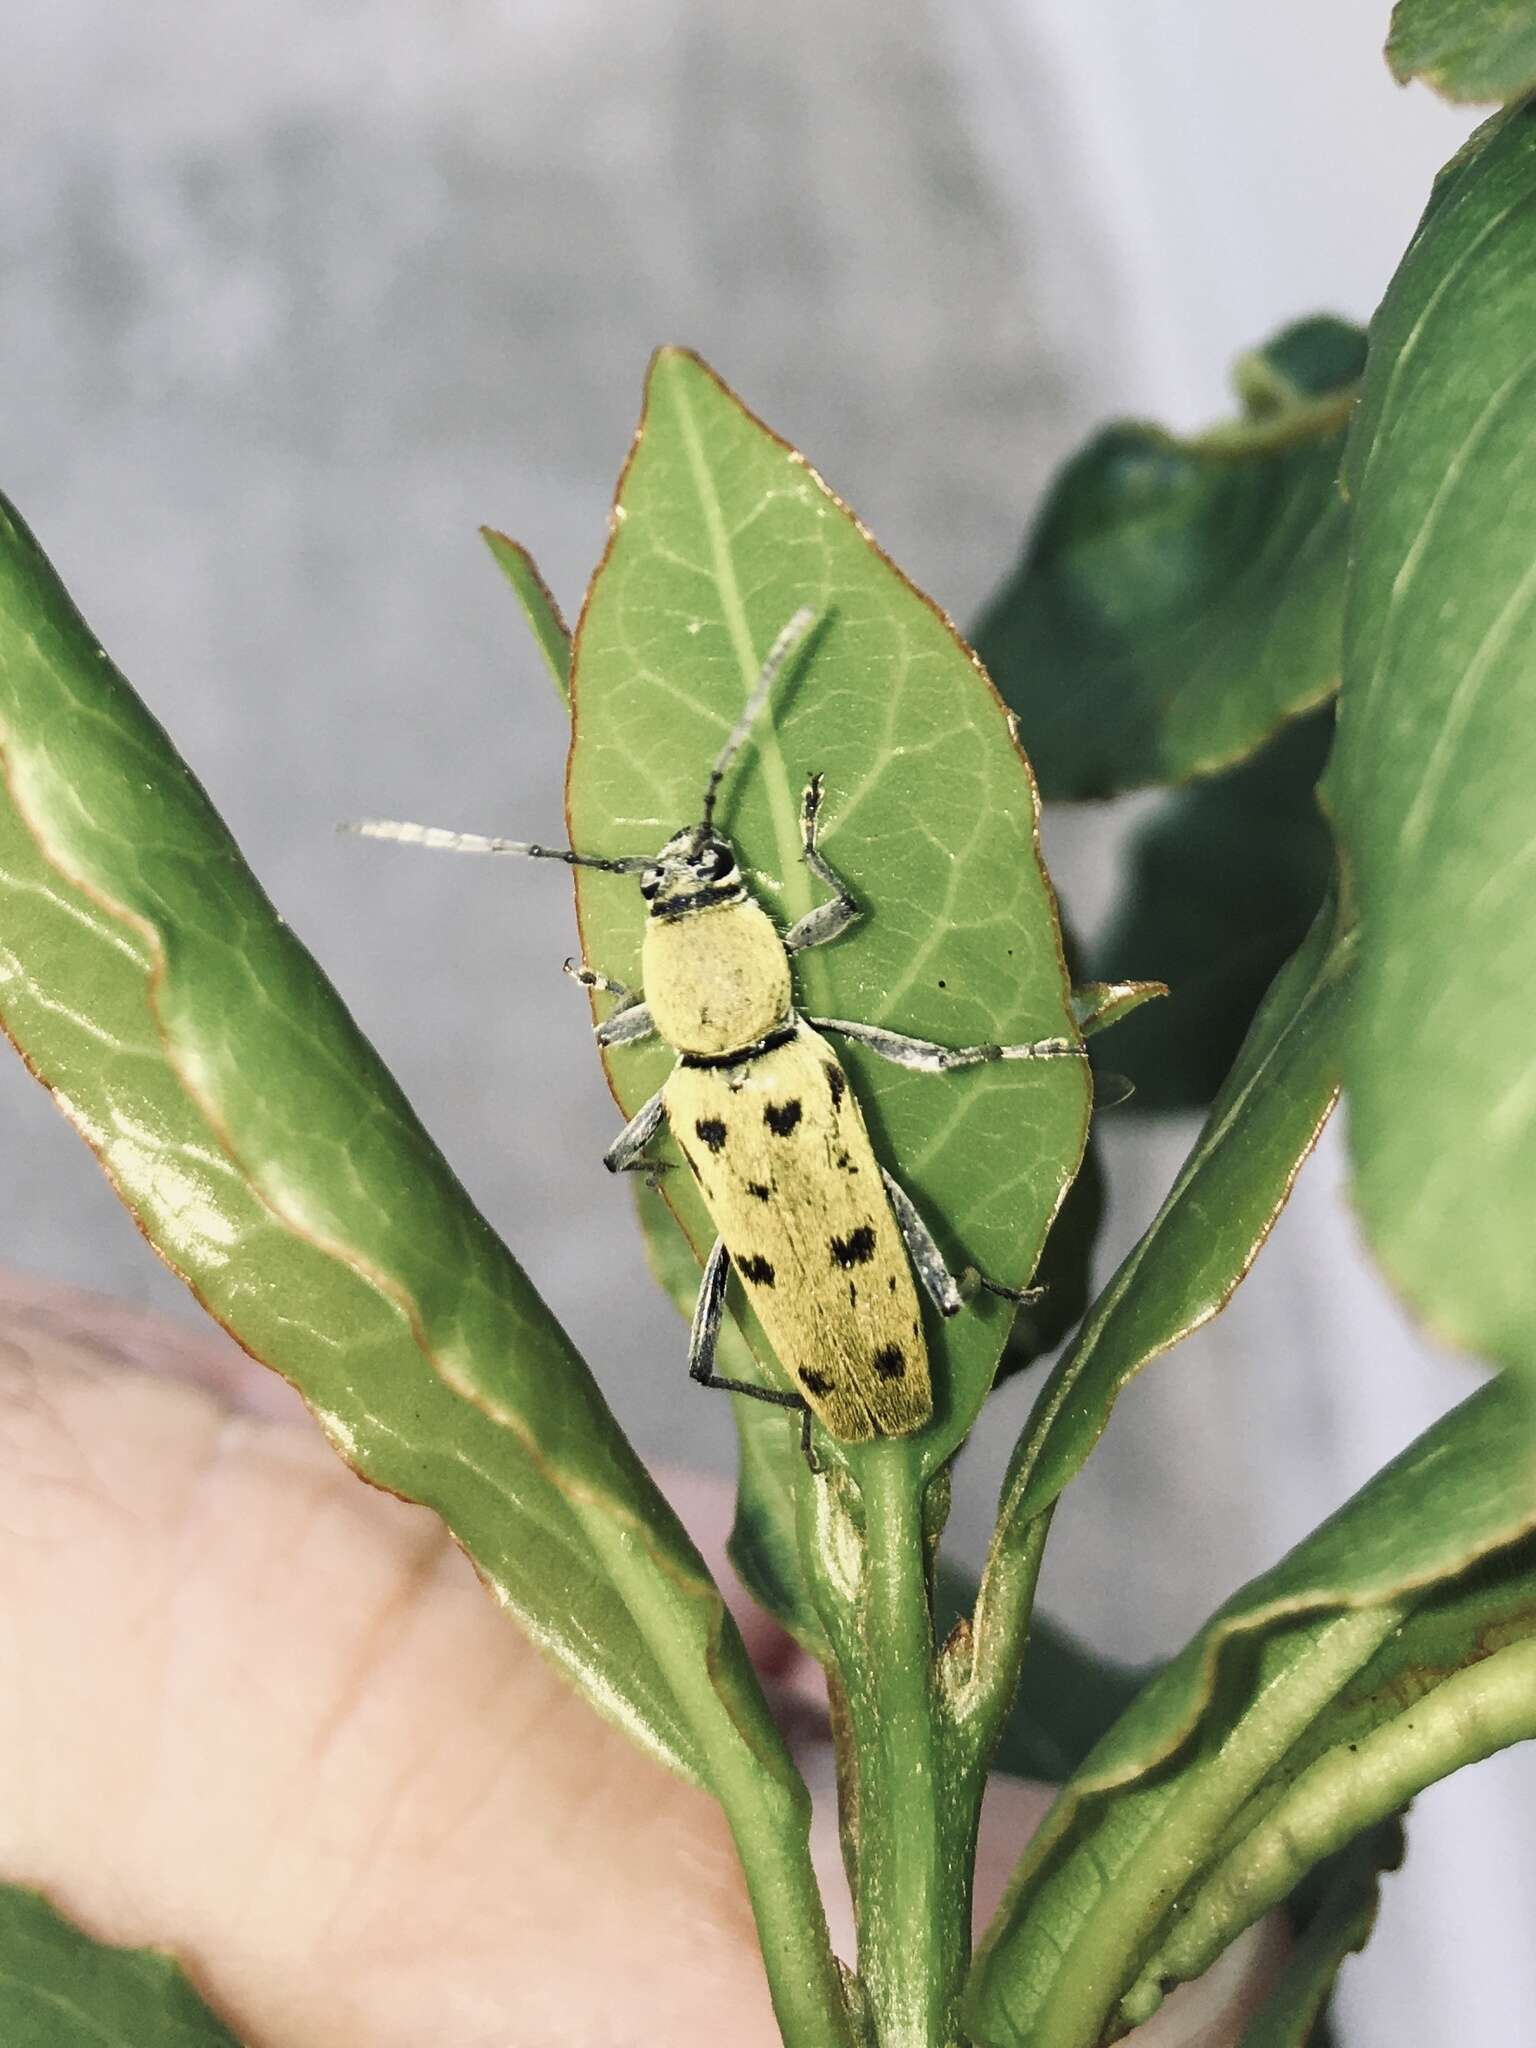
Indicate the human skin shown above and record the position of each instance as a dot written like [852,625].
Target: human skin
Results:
[256,1712]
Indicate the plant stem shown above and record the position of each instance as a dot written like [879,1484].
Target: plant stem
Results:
[1005,1606]
[916,1828]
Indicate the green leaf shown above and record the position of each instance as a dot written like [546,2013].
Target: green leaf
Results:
[1098,1004]
[1209,1230]
[60,1989]
[1222,885]
[1337,1922]
[1436,761]
[550,632]
[1466,49]
[1315,1703]
[1179,600]
[274,1164]
[721,533]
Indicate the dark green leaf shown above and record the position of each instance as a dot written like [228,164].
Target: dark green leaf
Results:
[1179,600]
[1064,1274]
[1436,762]
[550,631]
[1466,49]
[273,1162]
[1209,1230]
[60,1989]
[1388,1649]
[721,534]
[1223,883]
[1336,1923]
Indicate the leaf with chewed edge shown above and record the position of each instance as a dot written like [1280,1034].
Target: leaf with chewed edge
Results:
[61,1989]
[721,534]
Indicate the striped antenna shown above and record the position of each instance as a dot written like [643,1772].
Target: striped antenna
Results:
[788,642]
[441,840]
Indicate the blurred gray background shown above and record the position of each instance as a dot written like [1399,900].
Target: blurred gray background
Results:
[298,292]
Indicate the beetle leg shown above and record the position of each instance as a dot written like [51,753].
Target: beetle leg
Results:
[827,920]
[940,1285]
[624,1154]
[628,1021]
[923,1056]
[947,1294]
[704,1338]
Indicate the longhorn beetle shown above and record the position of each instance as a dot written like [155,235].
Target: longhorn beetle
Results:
[825,1240]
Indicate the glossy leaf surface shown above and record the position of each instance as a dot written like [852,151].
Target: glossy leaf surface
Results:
[60,1989]
[1392,1646]
[721,533]
[1436,763]
[1477,50]
[271,1160]
[1179,600]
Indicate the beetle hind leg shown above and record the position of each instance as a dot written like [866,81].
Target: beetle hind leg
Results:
[947,1294]
[704,1338]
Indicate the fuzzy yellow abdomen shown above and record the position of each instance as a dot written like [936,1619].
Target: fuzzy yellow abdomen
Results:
[785,1165]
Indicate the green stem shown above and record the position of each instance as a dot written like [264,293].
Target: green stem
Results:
[916,1826]
[993,1657]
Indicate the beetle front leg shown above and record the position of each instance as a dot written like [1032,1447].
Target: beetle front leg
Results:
[628,1021]
[828,920]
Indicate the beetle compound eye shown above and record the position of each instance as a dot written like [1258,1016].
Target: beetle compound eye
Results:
[650,882]
[717,863]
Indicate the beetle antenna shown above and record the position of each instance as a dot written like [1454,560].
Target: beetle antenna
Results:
[441,840]
[789,641]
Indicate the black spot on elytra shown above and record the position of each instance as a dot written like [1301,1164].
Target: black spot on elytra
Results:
[846,1163]
[890,1284]
[755,1187]
[816,1382]
[853,1293]
[890,1362]
[781,1117]
[837,1082]
[711,1133]
[856,1249]
[756,1269]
